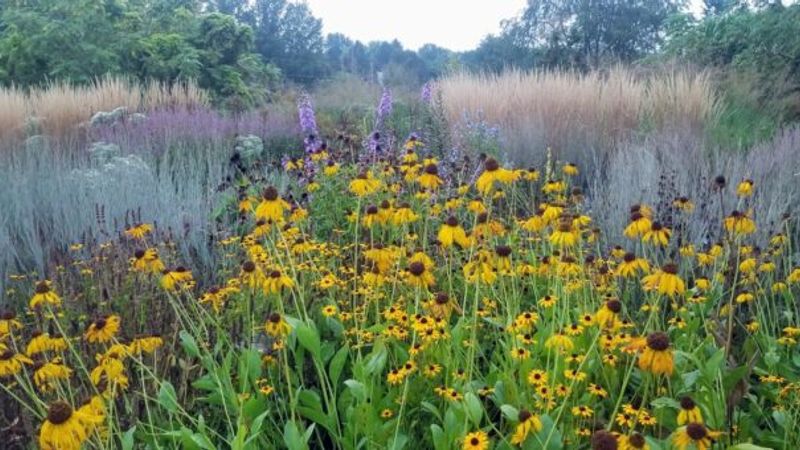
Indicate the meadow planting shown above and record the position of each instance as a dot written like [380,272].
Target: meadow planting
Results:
[176,277]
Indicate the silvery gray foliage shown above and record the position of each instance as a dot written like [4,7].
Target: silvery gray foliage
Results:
[108,117]
[250,148]
[102,152]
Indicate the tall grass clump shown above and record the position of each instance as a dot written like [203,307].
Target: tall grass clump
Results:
[571,112]
[57,108]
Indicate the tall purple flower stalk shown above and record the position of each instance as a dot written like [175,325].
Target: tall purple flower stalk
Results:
[308,123]
[427,93]
[384,108]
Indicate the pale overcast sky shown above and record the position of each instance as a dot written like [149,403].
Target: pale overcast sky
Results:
[454,24]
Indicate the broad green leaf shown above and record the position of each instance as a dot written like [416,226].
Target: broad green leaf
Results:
[127,438]
[309,339]
[337,365]
[167,397]
[189,344]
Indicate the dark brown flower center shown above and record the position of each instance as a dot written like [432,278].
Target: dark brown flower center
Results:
[139,254]
[503,250]
[416,268]
[491,165]
[629,257]
[431,169]
[614,306]
[42,288]
[99,324]
[59,412]
[270,193]
[637,440]
[603,440]
[442,298]
[658,341]
[687,403]
[524,415]
[696,431]
[275,318]
[671,269]
[249,266]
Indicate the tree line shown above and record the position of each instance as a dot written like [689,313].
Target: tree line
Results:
[244,49]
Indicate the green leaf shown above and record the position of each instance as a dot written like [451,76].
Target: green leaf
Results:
[748,447]
[337,365]
[189,344]
[357,389]
[292,437]
[309,339]
[666,402]
[127,439]
[377,359]
[439,440]
[167,397]
[474,408]
[510,412]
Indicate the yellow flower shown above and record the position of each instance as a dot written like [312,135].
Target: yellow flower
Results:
[656,357]
[633,442]
[271,207]
[689,412]
[139,231]
[147,261]
[65,429]
[178,278]
[570,169]
[276,326]
[146,344]
[739,224]
[665,281]
[8,323]
[11,362]
[631,265]
[44,295]
[451,233]
[46,374]
[694,435]
[364,184]
[745,188]
[639,225]
[418,275]
[657,235]
[276,281]
[103,329]
[564,236]
[527,422]
[477,440]
[430,178]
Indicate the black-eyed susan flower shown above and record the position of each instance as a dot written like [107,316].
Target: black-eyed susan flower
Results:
[146,344]
[429,179]
[739,224]
[745,188]
[603,440]
[8,323]
[176,279]
[272,207]
[11,362]
[275,281]
[606,316]
[631,266]
[103,329]
[689,412]
[656,357]
[44,295]
[452,233]
[633,441]
[694,435]
[66,429]
[364,184]
[418,275]
[46,374]
[139,231]
[665,281]
[276,326]
[527,423]
[477,440]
